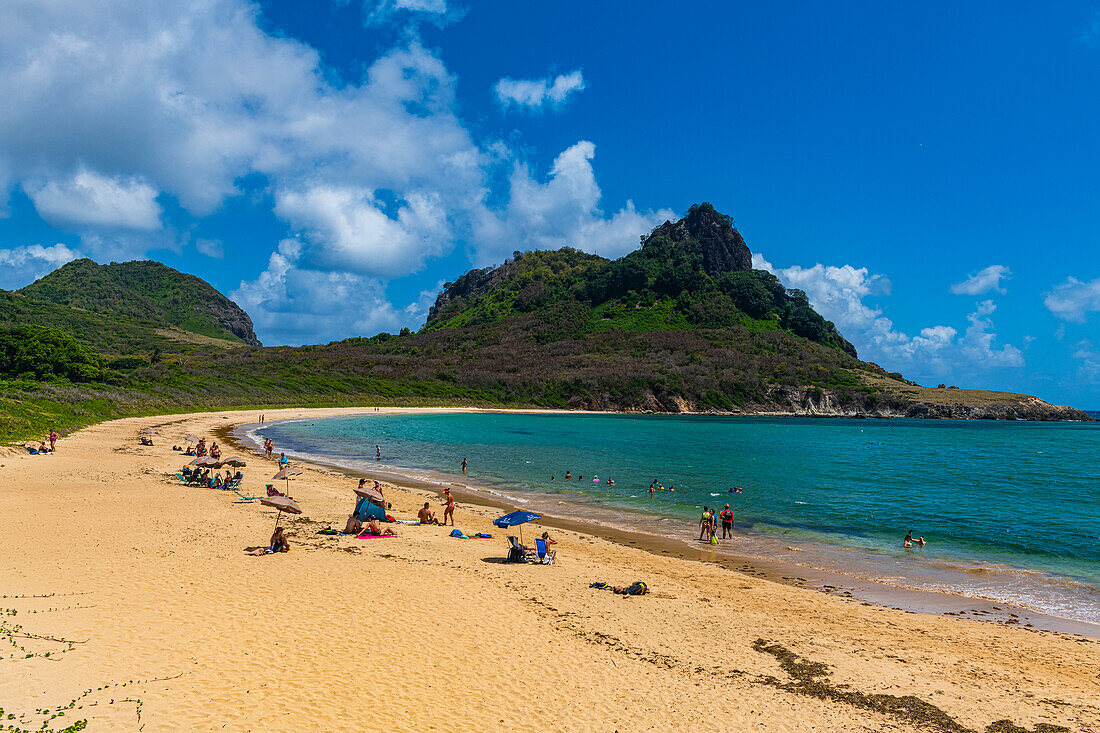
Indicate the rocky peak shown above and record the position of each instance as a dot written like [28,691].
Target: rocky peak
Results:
[723,248]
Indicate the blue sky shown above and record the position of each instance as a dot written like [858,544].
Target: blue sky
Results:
[926,173]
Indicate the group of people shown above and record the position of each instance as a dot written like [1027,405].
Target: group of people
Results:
[658,486]
[909,541]
[203,477]
[569,475]
[427,516]
[269,447]
[47,446]
[708,524]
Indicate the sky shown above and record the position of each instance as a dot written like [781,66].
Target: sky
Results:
[927,173]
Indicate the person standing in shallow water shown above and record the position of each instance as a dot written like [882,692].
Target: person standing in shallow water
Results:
[377,452]
[463,465]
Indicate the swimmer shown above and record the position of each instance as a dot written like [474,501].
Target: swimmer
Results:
[568,475]
[909,538]
[735,490]
[595,479]
[921,541]
[651,489]
[611,482]
[553,479]
[908,544]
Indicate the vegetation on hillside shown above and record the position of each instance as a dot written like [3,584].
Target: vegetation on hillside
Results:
[681,324]
[146,290]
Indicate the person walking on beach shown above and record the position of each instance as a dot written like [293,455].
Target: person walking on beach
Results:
[463,465]
[448,507]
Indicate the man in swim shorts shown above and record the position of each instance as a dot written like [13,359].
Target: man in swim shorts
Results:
[425,515]
[727,522]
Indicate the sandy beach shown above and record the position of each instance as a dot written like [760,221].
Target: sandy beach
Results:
[130,597]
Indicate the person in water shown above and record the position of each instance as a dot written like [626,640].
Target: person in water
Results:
[909,538]
[611,482]
[568,475]
[920,541]
[463,465]
[704,523]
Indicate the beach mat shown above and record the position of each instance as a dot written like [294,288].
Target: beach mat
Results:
[375,537]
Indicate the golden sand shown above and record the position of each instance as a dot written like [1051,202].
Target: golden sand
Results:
[174,627]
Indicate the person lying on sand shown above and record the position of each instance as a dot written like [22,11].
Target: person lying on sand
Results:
[354,526]
[425,515]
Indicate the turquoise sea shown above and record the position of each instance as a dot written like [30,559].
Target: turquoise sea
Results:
[1010,510]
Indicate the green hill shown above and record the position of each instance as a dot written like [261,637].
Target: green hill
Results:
[145,290]
[682,324]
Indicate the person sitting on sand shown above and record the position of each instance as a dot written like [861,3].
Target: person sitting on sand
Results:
[215,451]
[425,515]
[374,528]
[278,541]
[43,448]
[354,526]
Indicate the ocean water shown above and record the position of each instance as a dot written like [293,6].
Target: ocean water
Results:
[1010,510]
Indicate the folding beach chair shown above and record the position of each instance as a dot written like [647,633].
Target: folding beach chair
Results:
[545,555]
[516,551]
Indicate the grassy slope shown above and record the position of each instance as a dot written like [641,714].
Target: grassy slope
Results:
[146,290]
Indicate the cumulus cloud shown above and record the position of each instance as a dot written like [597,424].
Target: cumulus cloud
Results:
[297,305]
[840,294]
[538,93]
[1073,300]
[984,281]
[22,265]
[112,113]
[92,198]
[563,211]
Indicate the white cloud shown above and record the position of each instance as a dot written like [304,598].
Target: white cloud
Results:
[839,295]
[984,281]
[1073,300]
[295,305]
[563,211]
[378,12]
[1089,369]
[537,93]
[22,265]
[210,248]
[91,198]
[112,111]
[353,233]
[1090,31]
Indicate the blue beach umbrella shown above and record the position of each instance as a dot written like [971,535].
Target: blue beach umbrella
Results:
[520,517]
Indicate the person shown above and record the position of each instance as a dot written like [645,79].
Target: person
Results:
[552,478]
[449,507]
[704,523]
[907,543]
[651,489]
[549,540]
[921,541]
[636,589]
[278,541]
[374,528]
[269,447]
[425,515]
[282,460]
[42,447]
[377,452]
[568,475]
[611,482]
[595,479]
[53,440]
[909,538]
[354,526]
[727,522]
[464,465]
[215,451]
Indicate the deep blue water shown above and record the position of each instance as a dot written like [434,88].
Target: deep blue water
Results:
[988,496]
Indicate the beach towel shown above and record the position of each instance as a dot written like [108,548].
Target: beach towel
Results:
[374,536]
[327,530]
[483,536]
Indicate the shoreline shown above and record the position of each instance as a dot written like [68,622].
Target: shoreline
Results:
[942,603]
[131,603]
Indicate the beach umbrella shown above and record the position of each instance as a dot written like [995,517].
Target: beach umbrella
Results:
[206,462]
[516,518]
[282,504]
[192,439]
[373,494]
[284,474]
[149,431]
[234,462]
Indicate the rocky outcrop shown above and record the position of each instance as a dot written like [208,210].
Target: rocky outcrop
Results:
[722,246]
[235,320]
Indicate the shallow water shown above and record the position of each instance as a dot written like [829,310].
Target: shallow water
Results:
[1009,509]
